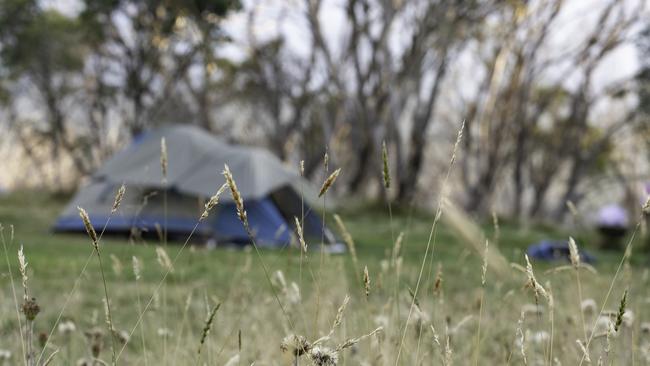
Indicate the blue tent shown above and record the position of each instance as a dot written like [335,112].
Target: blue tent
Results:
[153,205]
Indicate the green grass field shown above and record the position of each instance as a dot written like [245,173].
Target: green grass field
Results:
[250,324]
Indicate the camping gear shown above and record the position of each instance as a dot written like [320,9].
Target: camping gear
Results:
[612,223]
[553,250]
[273,195]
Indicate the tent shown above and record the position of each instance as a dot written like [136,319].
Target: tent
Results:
[273,195]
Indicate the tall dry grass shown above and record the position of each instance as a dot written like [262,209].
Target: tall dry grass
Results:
[476,309]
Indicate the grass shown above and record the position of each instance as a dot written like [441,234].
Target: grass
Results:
[249,326]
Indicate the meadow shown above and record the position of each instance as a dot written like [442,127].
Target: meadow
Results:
[406,306]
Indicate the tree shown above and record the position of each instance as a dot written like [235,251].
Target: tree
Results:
[149,48]
[36,56]
[353,94]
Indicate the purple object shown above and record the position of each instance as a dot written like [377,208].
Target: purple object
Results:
[613,216]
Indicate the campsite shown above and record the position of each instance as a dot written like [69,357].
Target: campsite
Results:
[324,182]
[233,278]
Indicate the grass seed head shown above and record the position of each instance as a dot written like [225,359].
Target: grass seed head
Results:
[301,236]
[621,311]
[207,326]
[213,201]
[574,255]
[328,182]
[485,264]
[385,170]
[538,289]
[22,266]
[118,198]
[397,247]
[338,319]
[236,195]
[366,280]
[352,341]
[89,227]
[347,238]
[164,162]
[164,260]
[572,208]
[326,160]
[137,268]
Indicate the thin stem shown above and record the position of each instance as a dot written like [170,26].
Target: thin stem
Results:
[628,249]
[13,291]
[158,287]
[582,315]
[74,288]
[144,345]
[477,350]
[108,306]
[429,246]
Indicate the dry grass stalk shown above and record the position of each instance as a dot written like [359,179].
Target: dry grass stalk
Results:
[352,341]
[301,236]
[22,267]
[485,264]
[436,339]
[213,201]
[621,311]
[437,284]
[118,198]
[366,281]
[349,241]
[497,229]
[385,171]
[89,228]
[164,162]
[538,289]
[95,241]
[338,319]
[448,352]
[397,248]
[574,255]
[522,337]
[239,203]
[584,351]
[13,292]
[137,268]
[207,326]
[163,259]
[236,196]
[328,182]
[117,264]
[572,209]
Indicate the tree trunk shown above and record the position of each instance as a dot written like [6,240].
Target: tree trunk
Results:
[408,182]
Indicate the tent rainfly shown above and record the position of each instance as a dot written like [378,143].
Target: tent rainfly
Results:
[272,194]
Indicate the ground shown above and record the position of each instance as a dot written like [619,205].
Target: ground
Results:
[302,296]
